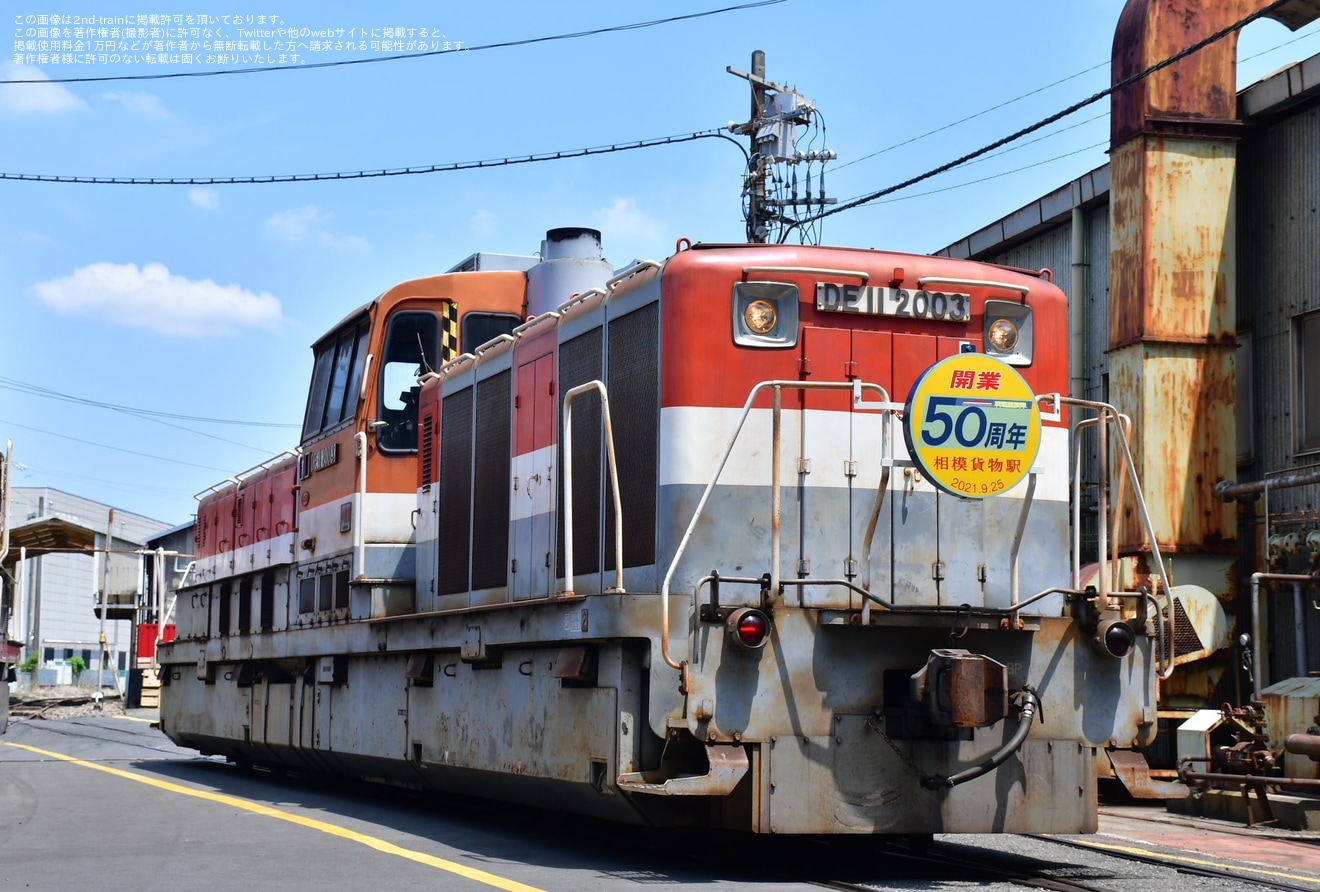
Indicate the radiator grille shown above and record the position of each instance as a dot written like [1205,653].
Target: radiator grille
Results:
[579,362]
[490,508]
[455,491]
[634,386]
[1185,639]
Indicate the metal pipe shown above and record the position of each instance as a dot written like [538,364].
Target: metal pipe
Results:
[974,283]
[1190,777]
[1017,535]
[1256,579]
[1299,631]
[1248,492]
[808,271]
[957,610]
[1029,706]
[159,597]
[6,472]
[1077,501]
[30,616]
[359,536]
[776,500]
[1077,308]
[1102,504]
[886,462]
[1125,431]
[568,483]
[1303,745]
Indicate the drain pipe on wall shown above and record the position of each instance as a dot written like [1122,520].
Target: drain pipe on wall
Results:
[1077,315]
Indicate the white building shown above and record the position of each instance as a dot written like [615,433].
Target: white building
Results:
[68,567]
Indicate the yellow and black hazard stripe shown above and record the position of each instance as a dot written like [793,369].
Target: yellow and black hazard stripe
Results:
[449,333]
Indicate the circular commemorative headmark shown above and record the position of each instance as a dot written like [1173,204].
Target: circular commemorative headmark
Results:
[972,426]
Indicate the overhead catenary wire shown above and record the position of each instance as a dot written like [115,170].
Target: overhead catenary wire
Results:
[993,176]
[504,44]
[153,416]
[1045,122]
[1027,95]
[971,117]
[174,461]
[35,390]
[561,155]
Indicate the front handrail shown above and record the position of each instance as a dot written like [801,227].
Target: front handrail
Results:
[778,386]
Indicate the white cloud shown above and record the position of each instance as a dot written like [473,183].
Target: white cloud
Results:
[39,99]
[307,224]
[623,219]
[139,104]
[153,299]
[206,199]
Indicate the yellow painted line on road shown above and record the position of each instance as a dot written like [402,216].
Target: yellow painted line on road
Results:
[133,718]
[379,845]
[1198,862]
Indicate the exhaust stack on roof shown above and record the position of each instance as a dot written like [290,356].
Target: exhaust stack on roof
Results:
[570,264]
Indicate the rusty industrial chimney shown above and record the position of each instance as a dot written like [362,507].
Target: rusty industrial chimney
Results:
[1172,270]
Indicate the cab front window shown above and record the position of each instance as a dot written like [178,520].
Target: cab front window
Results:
[335,377]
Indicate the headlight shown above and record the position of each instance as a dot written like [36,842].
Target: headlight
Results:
[760,317]
[764,314]
[1009,332]
[1003,335]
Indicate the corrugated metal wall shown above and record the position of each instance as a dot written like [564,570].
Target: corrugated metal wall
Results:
[1051,250]
[1279,280]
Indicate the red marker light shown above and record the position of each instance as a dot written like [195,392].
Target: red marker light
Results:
[748,628]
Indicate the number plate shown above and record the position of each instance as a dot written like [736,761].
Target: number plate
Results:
[877,300]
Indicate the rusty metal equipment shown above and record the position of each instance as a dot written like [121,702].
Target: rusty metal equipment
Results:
[1249,765]
[963,689]
[1307,744]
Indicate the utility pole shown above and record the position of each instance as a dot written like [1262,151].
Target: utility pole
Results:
[777,112]
[756,229]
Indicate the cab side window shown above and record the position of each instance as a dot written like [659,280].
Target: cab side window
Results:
[412,347]
[335,379]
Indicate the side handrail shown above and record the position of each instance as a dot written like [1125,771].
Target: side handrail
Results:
[237,479]
[568,484]
[778,386]
[1107,416]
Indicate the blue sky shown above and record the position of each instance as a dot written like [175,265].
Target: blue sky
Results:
[203,300]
